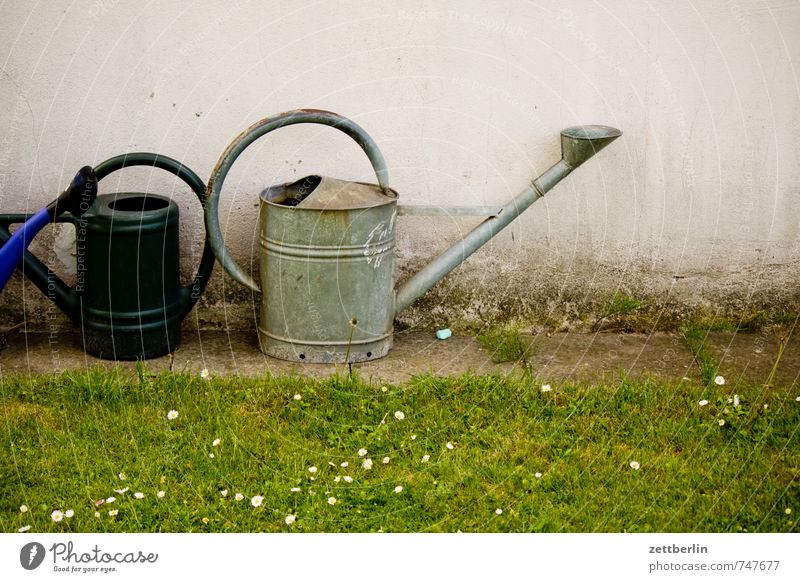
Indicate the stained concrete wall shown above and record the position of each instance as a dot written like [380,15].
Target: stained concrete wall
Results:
[696,207]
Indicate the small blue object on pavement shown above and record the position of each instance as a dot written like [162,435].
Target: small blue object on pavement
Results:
[443,334]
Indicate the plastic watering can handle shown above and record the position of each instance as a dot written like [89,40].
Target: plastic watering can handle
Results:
[250,135]
[190,294]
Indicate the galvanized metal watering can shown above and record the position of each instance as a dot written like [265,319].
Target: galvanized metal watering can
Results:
[327,247]
[128,300]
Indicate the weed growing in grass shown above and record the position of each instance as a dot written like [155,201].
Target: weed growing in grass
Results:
[505,344]
[696,340]
[617,306]
[622,456]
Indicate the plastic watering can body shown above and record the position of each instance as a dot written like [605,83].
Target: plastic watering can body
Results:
[327,247]
[127,298]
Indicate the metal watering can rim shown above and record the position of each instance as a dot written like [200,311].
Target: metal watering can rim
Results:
[332,197]
[578,143]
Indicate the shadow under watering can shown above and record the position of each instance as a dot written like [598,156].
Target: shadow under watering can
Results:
[327,246]
[127,300]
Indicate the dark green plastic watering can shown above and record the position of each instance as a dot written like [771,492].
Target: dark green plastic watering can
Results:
[128,300]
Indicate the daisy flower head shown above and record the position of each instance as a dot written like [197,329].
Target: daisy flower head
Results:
[210,455]
[413,437]
[547,388]
[297,397]
[97,514]
[69,513]
[719,381]
[347,479]
[797,399]
[56,516]
[721,422]
[122,476]
[224,492]
[111,500]
[172,414]
[139,495]
[386,460]
[205,520]
[736,400]
[312,469]
[703,402]
[24,528]
[331,501]
[538,475]
[367,464]
[384,388]
[426,458]
[498,511]
[362,452]
[256,501]
[635,465]
[788,510]
[449,446]
[295,489]
[290,519]
[23,508]
[113,512]
[337,479]
[204,373]
[398,489]
[399,415]
[215,443]
[160,494]
[345,464]
[121,491]
[238,497]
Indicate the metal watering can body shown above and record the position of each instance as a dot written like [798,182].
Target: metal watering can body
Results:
[127,299]
[327,260]
[327,271]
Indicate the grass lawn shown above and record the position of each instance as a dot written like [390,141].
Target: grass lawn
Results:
[474,453]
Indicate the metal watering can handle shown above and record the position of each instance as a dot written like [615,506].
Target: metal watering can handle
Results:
[192,293]
[250,135]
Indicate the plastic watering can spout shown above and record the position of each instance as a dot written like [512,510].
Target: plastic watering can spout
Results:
[76,200]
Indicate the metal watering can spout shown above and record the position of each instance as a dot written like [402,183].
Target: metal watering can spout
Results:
[578,144]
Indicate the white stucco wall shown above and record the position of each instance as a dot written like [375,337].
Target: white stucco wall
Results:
[698,203]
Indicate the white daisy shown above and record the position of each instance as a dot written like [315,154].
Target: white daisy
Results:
[546,388]
[23,508]
[498,511]
[635,466]
[399,415]
[139,495]
[384,389]
[426,458]
[24,528]
[345,464]
[295,489]
[69,513]
[56,516]
[312,469]
[204,373]
[121,476]
[797,399]
[736,400]
[719,381]
[172,414]
[97,514]
[450,446]
[331,501]
[347,479]
[787,511]
[413,437]
[111,500]
[297,397]
[121,491]
[215,443]
[210,455]
[398,489]
[113,512]
[224,492]
[538,475]
[386,460]
[721,422]
[337,479]
[238,497]
[362,452]
[367,464]
[290,519]
[160,494]
[703,402]
[256,501]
